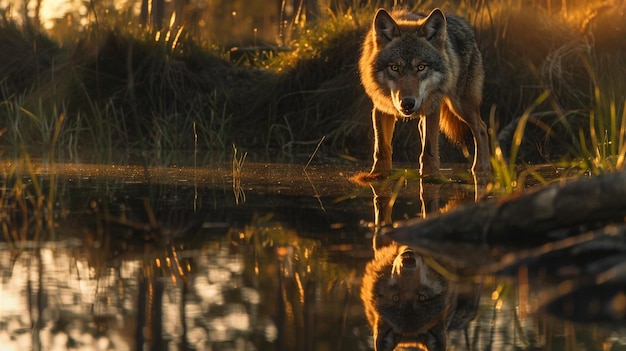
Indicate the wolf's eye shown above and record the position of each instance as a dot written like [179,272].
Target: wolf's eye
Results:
[394,67]
[421,67]
[422,297]
[395,298]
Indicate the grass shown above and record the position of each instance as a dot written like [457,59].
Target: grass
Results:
[507,178]
[117,84]
[604,149]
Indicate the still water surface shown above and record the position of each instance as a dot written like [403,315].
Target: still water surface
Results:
[217,257]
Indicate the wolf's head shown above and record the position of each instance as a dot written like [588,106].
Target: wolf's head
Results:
[411,59]
[407,303]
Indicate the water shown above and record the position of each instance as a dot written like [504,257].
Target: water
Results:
[268,256]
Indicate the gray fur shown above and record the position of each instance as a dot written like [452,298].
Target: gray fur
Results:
[426,66]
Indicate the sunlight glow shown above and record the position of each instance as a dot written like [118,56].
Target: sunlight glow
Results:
[55,9]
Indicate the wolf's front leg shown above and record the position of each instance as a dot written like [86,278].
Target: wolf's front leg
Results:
[481,144]
[383,133]
[429,133]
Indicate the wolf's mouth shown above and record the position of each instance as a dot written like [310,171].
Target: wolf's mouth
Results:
[406,117]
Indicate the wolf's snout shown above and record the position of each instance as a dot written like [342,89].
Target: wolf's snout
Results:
[408,105]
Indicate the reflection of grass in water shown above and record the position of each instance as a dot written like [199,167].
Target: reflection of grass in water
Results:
[240,195]
[27,213]
[306,279]
[302,258]
[531,328]
[305,271]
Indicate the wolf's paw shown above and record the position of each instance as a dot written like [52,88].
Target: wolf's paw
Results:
[364,178]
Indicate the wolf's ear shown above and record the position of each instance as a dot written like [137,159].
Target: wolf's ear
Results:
[385,28]
[434,28]
[384,337]
[437,337]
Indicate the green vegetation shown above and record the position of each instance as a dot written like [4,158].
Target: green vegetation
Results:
[120,83]
[606,146]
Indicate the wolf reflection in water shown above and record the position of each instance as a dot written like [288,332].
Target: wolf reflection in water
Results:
[408,304]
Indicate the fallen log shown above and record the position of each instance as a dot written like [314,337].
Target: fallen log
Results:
[525,217]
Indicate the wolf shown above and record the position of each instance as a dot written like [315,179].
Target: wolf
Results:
[410,305]
[426,66]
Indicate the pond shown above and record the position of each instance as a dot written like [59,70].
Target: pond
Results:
[249,255]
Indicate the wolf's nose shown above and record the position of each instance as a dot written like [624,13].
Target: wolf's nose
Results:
[408,104]
[408,260]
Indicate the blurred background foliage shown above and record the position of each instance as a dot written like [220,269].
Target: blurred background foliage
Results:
[207,74]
